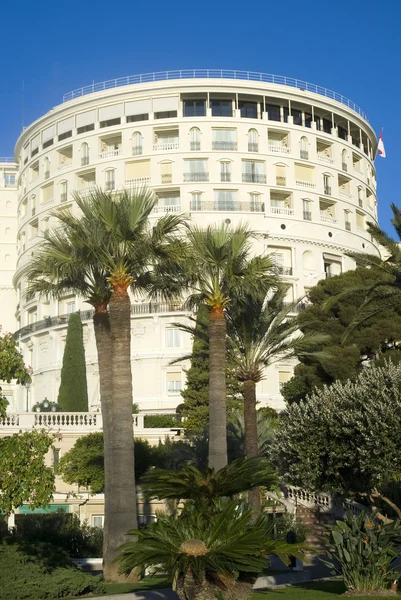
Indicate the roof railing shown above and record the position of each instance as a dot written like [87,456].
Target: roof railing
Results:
[215,74]
[6,159]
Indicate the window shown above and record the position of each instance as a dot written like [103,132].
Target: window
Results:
[283,377]
[135,118]
[46,168]
[280,203]
[255,204]
[110,180]
[360,220]
[224,139]
[65,135]
[166,140]
[86,128]
[306,208]
[248,110]
[356,162]
[174,383]
[225,199]
[32,316]
[137,143]
[296,116]
[253,141]
[70,307]
[166,172]
[110,122]
[137,172]
[33,205]
[360,197]
[48,193]
[347,220]
[196,170]
[278,142]
[273,112]
[98,521]
[166,114]
[85,154]
[225,171]
[194,108]
[304,148]
[324,151]
[63,191]
[344,160]
[196,201]
[33,229]
[9,179]
[194,139]
[221,108]
[168,202]
[327,184]
[280,175]
[327,211]
[253,171]
[56,456]
[332,265]
[173,337]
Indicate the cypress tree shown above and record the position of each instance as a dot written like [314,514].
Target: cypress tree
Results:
[73,391]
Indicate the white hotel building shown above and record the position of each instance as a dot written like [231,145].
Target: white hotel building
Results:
[293,160]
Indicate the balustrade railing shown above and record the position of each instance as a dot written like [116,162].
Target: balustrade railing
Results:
[227,206]
[196,176]
[305,498]
[281,210]
[305,184]
[325,158]
[162,147]
[327,218]
[224,146]
[279,149]
[167,208]
[65,165]
[253,178]
[134,181]
[110,153]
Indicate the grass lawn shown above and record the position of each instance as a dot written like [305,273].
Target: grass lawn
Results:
[327,590]
[148,583]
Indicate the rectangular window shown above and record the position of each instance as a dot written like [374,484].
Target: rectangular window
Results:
[196,201]
[110,180]
[70,307]
[174,384]
[135,118]
[225,171]
[86,128]
[248,110]
[194,108]
[297,116]
[307,214]
[360,220]
[225,199]
[166,114]
[253,171]
[273,112]
[196,170]
[48,143]
[9,179]
[255,203]
[56,456]
[64,136]
[98,521]
[221,108]
[224,139]
[283,377]
[110,122]
[173,337]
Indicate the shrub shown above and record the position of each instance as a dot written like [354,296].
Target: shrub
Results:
[364,548]
[73,391]
[154,421]
[289,523]
[26,577]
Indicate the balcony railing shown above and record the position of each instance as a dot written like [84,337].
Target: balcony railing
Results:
[110,186]
[167,178]
[136,150]
[63,197]
[327,190]
[327,218]
[225,177]
[282,270]
[84,161]
[304,154]
[360,202]
[195,145]
[279,149]
[281,210]
[253,147]
[227,206]
[224,146]
[280,180]
[134,181]
[47,175]
[110,153]
[65,165]
[347,225]
[253,178]
[307,215]
[84,192]
[167,208]
[344,166]
[196,176]
[159,147]
[305,184]
[325,158]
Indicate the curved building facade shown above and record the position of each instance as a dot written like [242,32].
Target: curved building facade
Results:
[292,160]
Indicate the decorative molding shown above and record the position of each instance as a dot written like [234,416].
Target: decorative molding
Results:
[138,331]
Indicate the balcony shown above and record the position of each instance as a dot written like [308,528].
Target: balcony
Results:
[167,178]
[281,210]
[347,225]
[304,154]
[325,158]
[196,177]
[65,165]
[47,175]
[209,205]
[305,184]
[326,218]
[134,181]
[253,178]
[279,149]
[281,270]
[280,180]
[110,153]
[307,215]
[327,190]
[162,147]
[253,147]
[344,194]
[195,146]
[87,191]
[136,150]
[84,161]
[224,146]
[167,208]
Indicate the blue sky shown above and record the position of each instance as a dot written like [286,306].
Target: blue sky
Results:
[352,47]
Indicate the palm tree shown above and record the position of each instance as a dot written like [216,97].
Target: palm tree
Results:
[122,254]
[260,333]
[218,269]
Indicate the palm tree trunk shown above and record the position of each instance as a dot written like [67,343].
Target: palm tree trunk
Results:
[217,390]
[123,514]
[251,438]
[101,323]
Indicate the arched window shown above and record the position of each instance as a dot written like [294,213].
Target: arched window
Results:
[194,138]
[344,160]
[253,141]
[137,143]
[85,154]
[46,167]
[304,148]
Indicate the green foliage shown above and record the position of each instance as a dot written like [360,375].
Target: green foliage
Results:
[287,523]
[84,463]
[206,554]
[344,438]
[24,476]
[11,366]
[267,424]
[335,303]
[364,548]
[24,576]
[154,421]
[63,531]
[73,391]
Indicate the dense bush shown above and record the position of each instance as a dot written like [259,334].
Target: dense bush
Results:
[25,576]
[63,531]
[286,524]
[154,421]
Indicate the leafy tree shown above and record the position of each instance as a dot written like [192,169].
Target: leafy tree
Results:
[84,463]
[11,366]
[345,438]
[24,476]
[335,303]
[73,391]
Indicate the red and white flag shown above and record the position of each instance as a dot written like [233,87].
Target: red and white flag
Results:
[380,147]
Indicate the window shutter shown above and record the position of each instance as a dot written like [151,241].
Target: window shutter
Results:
[111,112]
[48,134]
[65,125]
[304,173]
[137,107]
[165,104]
[86,118]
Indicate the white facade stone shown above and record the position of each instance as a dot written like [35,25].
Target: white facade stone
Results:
[294,164]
